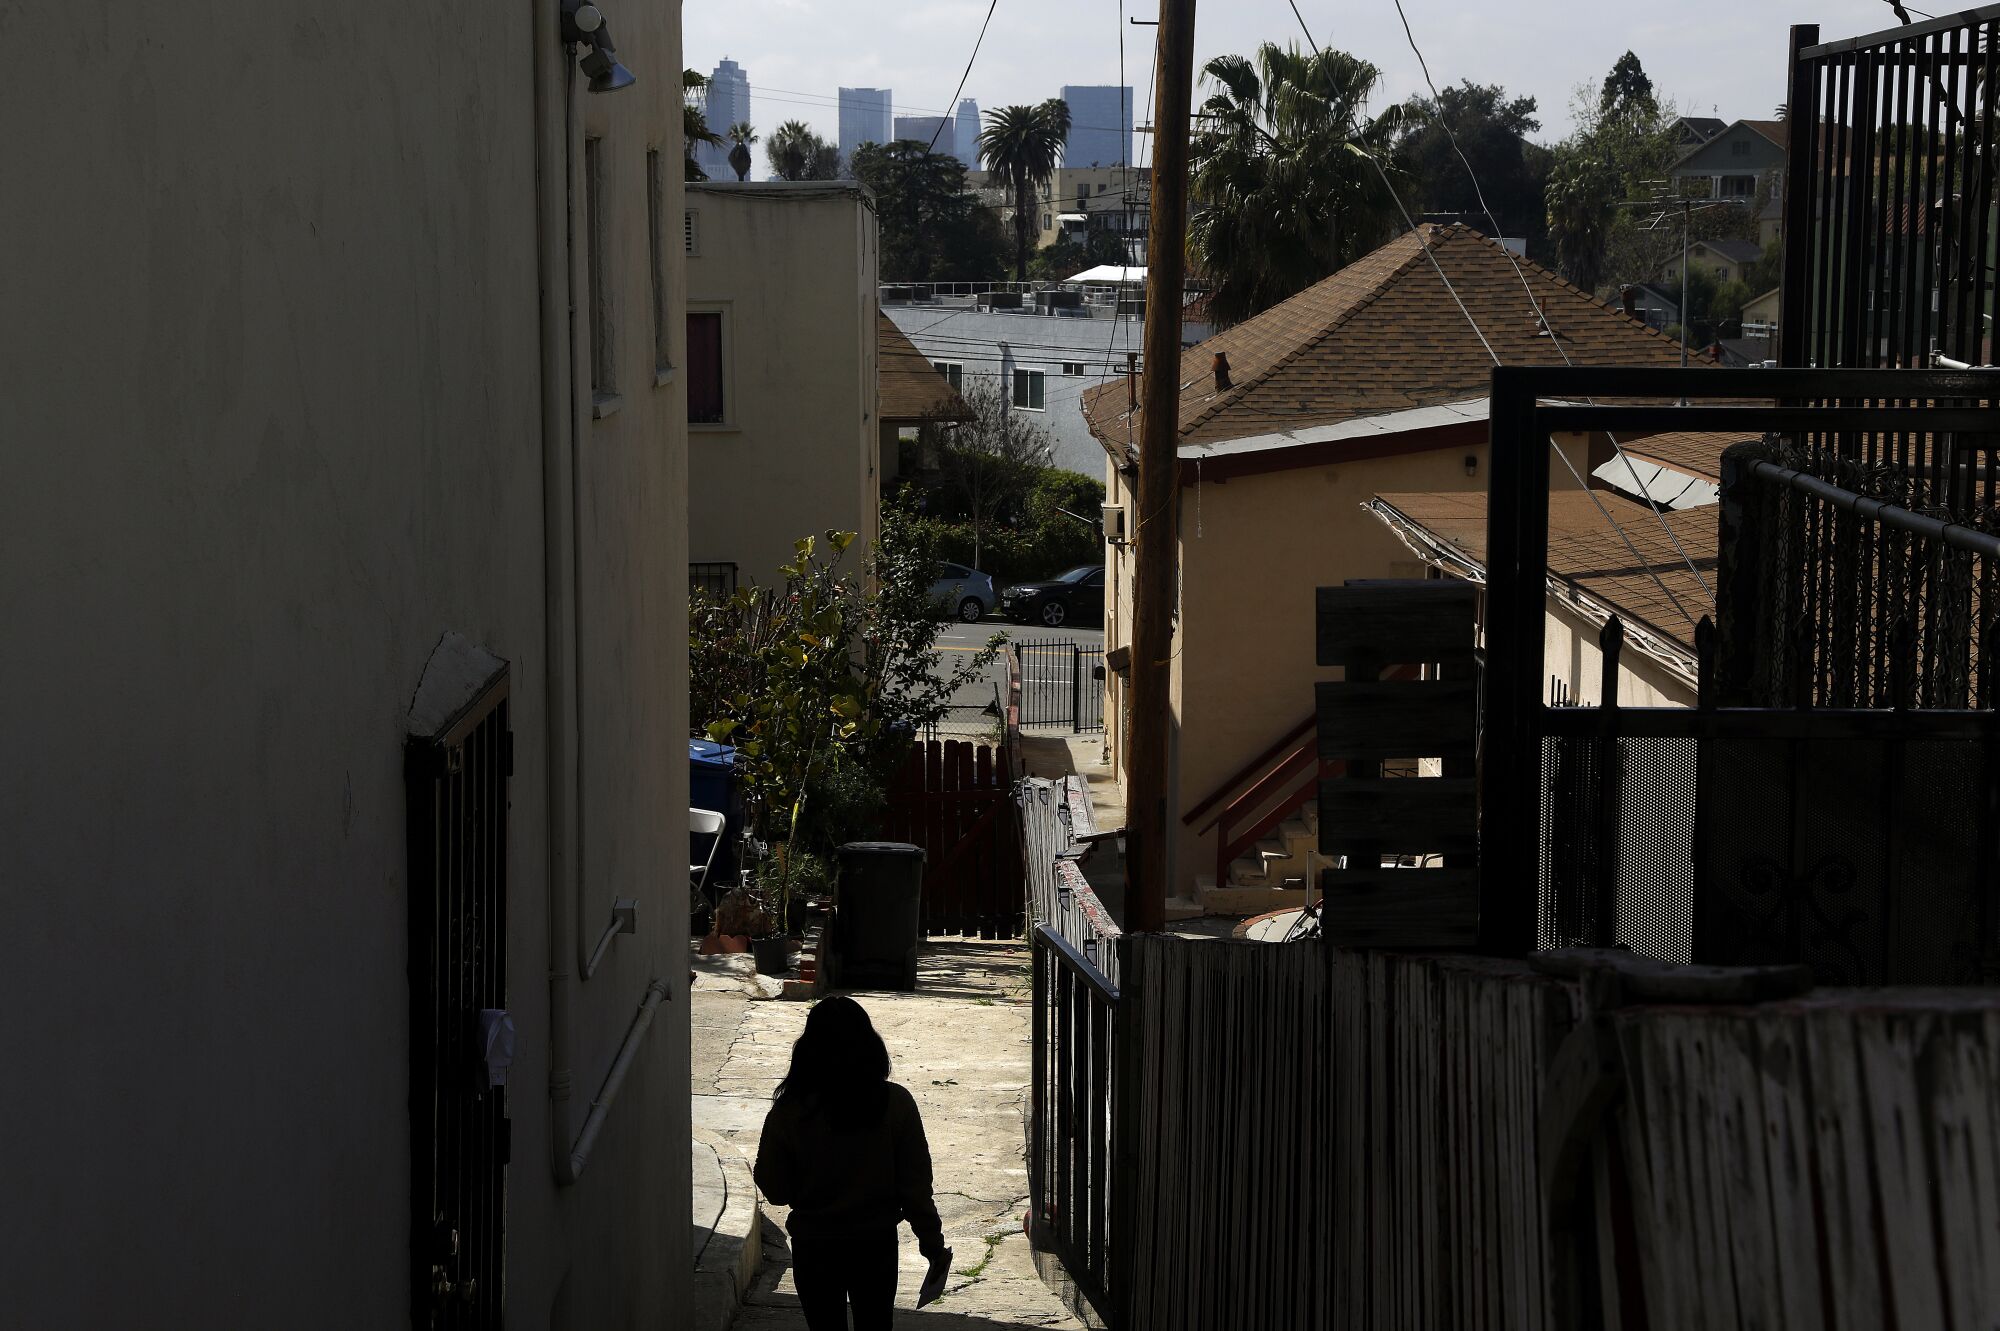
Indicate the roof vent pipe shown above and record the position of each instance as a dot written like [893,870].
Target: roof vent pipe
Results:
[1221,372]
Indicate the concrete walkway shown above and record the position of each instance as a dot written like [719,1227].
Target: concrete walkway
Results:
[960,1043]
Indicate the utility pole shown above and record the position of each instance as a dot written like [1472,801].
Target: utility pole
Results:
[1155,508]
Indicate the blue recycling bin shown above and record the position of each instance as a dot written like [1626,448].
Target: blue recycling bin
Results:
[712,785]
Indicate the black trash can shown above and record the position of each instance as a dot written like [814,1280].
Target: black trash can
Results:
[877,916]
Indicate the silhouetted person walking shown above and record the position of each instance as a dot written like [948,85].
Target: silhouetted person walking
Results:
[844,1147]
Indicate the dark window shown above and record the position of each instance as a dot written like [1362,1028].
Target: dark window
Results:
[1028,390]
[704,368]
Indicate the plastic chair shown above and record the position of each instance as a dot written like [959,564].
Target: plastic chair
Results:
[708,823]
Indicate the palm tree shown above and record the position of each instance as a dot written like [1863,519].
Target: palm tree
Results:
[742,136]
[796,153]
[1284,174]
[694,124]
[1024,144]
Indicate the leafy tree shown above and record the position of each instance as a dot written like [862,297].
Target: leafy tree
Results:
[822,683]
[1053,263]
[1281,171]
[1023,145]
[1627,90]
[742,136]
[1621,146]
[1492,131]
[932,228]
[989,464]
[694,124]
[796,153]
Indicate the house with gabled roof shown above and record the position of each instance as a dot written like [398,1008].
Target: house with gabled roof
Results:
[1733,161]
[1372,382]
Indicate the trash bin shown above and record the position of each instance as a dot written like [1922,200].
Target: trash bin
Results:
[877,916]
[712,785]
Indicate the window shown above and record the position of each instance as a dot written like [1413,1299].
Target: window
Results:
[691,232]
[1072,368]
[1082,195]
[953,372]
[656,198]
[1028,390]
[706,404]
[1739,148]
[602,384]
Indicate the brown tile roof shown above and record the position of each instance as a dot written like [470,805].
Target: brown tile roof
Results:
[1585,552]
[908,387]
[1383,335]
[1685,451]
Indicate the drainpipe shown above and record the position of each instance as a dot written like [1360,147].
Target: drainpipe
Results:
[552,257]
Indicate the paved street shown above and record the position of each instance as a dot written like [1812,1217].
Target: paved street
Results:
[960,1044]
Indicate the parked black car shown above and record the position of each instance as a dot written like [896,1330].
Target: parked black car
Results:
[1076,596]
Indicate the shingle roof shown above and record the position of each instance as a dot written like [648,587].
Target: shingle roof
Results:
[1586,552]
[1774,130]
[1384,335]
[1685,451]
[1736,251]
[908,387]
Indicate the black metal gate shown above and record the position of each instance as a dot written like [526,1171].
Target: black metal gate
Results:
[1062,684]
[457,787]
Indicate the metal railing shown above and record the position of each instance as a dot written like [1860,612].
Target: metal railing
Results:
[1889,226]
[717,579]
[1062,684]
[1070,1173]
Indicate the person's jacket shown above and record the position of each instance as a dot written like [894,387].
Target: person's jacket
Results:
[837,1179]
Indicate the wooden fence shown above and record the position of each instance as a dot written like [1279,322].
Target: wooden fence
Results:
[956,800]
[1311,1137]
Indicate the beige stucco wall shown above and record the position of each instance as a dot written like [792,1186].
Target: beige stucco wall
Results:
[1570,653]
[1253,550]
[271,391]
[794,269]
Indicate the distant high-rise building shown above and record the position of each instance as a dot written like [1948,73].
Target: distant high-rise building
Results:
[864,118]
[926,128]
[965,133]
[1100,126]
[727,103]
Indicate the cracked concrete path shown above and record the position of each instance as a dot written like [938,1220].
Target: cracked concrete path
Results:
[961,1045]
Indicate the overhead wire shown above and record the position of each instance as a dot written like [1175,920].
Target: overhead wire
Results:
[945,119]
[1541,316]
[1423,244]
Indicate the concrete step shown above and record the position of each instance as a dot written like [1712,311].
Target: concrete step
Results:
[1183,908]
[1296,832]
[1235,900]
[728,1238]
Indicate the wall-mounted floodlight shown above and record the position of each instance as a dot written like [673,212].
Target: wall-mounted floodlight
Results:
[584,24]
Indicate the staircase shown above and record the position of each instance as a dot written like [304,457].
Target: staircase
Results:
[1266,826]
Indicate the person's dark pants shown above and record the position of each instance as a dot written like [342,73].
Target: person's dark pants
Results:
[832,1271]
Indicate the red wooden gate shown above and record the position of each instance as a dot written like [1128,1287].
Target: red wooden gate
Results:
[956,800]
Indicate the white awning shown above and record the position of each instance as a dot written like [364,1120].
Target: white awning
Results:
[1072,217]
[1110,272]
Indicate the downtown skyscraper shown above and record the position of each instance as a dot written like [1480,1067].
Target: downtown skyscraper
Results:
[1100,126]
[864,118]
[727,103]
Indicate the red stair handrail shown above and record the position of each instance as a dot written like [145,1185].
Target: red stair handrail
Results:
[1248,770]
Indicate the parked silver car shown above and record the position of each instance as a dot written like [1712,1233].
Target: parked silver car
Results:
[964,592]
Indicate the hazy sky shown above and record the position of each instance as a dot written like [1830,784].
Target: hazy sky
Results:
[1713,59]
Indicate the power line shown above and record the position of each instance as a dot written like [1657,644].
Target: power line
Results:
[1541,316]
[945,119]
[1423,244]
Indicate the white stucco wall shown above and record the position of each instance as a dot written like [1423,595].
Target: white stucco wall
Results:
[793,269]
[271,387]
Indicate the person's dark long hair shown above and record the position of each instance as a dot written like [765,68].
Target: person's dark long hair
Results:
[840,1067]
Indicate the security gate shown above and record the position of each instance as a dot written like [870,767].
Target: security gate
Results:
[457,788]
[1062,684]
